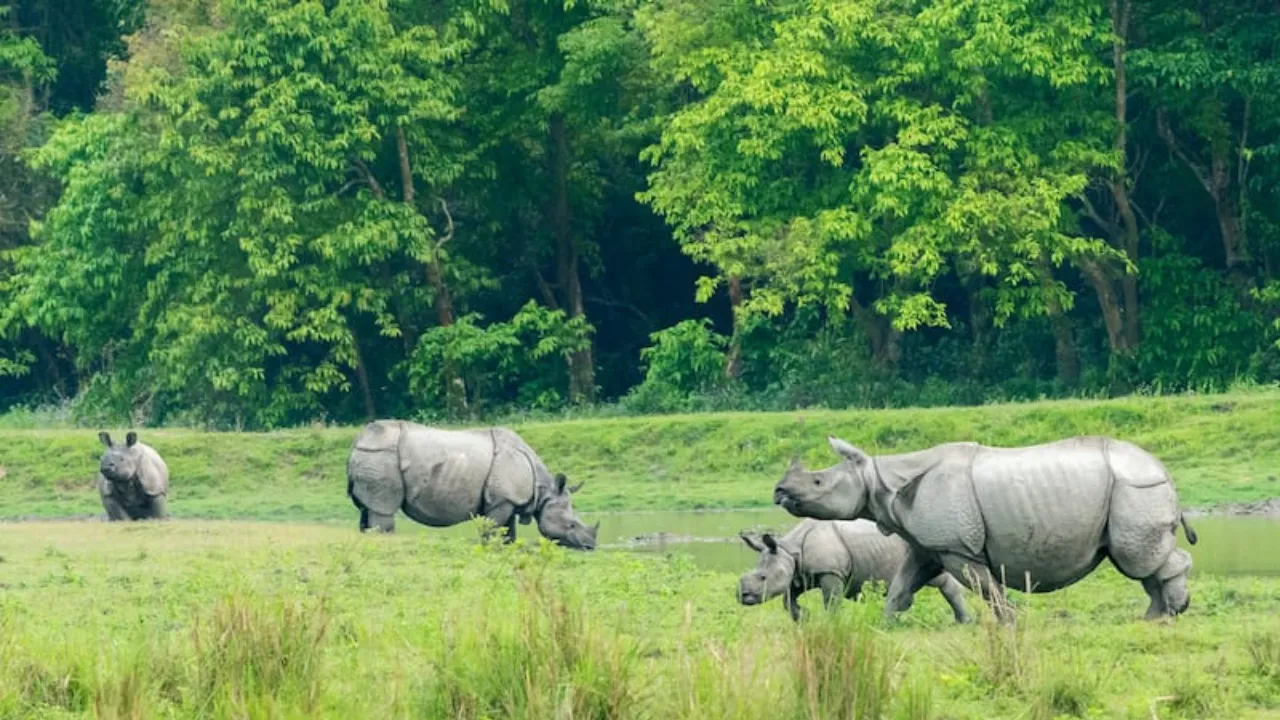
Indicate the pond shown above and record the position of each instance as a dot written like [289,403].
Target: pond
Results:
[1227,545]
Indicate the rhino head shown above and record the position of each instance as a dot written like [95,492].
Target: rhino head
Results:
[120,462]
[773,573]
[835,493]
[558,522]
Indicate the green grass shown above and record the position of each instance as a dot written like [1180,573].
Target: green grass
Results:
[218,619]
[1220,448]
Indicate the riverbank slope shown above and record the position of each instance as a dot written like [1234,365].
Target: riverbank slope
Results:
[1220,448]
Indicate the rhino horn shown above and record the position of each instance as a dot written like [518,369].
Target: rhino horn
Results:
[575,488]
[595,528]
[795,462]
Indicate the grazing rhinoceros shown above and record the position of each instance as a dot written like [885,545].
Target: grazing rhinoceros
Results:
[1035,518]
[132,480]
[837,556]
[444,477]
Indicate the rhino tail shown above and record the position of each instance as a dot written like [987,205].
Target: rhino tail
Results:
[1186,528]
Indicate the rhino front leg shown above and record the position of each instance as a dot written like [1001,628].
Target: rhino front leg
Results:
[159,508]
[503,515]
[115,511]
[791,601]
[912,575]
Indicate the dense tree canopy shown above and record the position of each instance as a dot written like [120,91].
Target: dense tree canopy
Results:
[254,213]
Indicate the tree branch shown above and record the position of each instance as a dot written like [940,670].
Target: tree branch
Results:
[597,300]
[369,178]
[448,233]
[1166,133]
[1092,213]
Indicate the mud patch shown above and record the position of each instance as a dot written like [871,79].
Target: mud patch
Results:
[1258,508]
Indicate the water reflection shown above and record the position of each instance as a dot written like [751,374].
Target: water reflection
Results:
[1227,545]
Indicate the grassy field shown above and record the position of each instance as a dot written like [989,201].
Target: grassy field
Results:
[219,619]
[1221,448]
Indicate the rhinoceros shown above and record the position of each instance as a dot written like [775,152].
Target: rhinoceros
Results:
[444,477]
[133,480]
[838,556]
[1036,518]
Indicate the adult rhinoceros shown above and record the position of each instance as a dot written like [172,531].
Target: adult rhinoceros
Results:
[444,477]
[838,556]
[133,480]
[1037,518]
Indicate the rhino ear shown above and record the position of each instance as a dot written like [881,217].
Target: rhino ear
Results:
[560,481]
[105,437]
[770,543]
[131,439]
[847,451]
[751,540]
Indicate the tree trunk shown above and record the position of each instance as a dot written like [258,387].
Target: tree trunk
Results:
[733,361]
[885,350]
[1066,357]
[979,327]
[582,381]
[1121,11]
[1112,314]
[455,388]
[362,378]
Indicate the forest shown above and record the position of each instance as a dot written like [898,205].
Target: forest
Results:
[255,214]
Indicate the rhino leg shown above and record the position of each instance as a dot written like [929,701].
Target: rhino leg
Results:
[791,601]
[953,593]
[853,591]
[993,592]
[833,590]
[915,571]
[159,508]
[115,511]
[376,521]
[503,515]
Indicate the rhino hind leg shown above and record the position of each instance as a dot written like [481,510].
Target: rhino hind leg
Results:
[376,521]
[1167,588]
[159,509]
[953,592]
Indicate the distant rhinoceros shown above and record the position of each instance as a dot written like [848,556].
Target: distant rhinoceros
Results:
[838,556]
[1038,518]
[132,480]
[444,477]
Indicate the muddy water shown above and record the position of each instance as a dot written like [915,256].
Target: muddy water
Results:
[1227,545]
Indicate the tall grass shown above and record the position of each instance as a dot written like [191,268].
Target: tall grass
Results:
[217,621]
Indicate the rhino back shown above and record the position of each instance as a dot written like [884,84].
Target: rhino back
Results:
[444,473]
[1044,507]
[853,549]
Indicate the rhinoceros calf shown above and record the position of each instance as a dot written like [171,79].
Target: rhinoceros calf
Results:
[444,477]
[837,556]
[133,480]
[1037,518]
